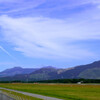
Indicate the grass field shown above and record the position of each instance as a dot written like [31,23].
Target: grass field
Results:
[66,92]
[18,96]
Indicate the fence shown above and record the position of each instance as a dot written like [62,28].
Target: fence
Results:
[5,97]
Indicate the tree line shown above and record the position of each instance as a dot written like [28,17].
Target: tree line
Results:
[57,81]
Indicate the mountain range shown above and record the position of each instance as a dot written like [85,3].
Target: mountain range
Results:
[16,70]
[89,71]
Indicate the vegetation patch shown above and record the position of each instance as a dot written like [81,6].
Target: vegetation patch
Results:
[63,91]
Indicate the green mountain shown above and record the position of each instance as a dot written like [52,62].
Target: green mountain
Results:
[83,71]
[89,71]
[93,73]
[44,73]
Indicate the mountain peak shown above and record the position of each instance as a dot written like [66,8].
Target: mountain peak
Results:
[48,67]
[16,70]
[17,67]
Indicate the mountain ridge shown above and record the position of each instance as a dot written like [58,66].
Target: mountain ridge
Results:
[16,70]
[88,71]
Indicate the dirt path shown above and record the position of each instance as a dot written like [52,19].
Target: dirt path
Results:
[33,95]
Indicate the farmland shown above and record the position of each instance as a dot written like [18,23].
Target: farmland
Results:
[63,91]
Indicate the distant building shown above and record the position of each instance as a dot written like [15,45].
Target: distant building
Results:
[80,82]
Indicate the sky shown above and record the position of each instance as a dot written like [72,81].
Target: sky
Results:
[59,33]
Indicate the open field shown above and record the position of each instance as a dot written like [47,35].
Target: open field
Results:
[66,92]
[18,96]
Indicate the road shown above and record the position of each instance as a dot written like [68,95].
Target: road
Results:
[33,95]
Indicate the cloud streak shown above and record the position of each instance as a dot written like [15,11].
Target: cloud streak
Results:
[48,38]
[15,6]
[5,51]
[11,6]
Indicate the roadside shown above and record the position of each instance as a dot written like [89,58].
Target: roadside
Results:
[33,95]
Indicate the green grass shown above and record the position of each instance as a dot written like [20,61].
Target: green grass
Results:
[66,92]
[18,96]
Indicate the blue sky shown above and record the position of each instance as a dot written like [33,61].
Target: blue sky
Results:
[60,33]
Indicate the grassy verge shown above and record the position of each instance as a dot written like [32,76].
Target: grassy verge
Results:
[18,96]
[66,92]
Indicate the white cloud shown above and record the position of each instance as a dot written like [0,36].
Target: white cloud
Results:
[48,38]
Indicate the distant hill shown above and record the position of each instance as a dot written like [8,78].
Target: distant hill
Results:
[93,73]
[89,71]
[44,73]
[83,71]
[16,71]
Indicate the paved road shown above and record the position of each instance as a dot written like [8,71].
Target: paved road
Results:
[33,95]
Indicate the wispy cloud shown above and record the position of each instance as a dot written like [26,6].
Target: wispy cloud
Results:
[11,6]
[5,51]
[48,38]
[42,37]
